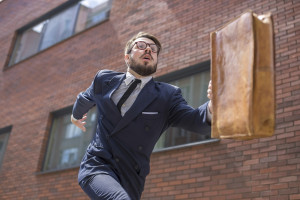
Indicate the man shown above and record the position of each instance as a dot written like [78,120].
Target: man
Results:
[116,162]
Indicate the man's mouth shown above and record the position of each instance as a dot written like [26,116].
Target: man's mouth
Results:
[147,57]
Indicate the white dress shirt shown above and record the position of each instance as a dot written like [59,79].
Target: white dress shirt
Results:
[116,96]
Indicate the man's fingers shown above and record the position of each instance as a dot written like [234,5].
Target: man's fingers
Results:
[83,118]
[83,129]
[209,94]
[209,91]
[209,85]
[80,124]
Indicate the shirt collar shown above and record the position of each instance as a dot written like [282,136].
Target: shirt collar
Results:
[129,78]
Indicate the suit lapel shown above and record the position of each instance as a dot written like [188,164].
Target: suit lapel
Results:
[146,96]
[109,87]
[112,84]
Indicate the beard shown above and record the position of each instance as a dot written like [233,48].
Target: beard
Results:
[142,69]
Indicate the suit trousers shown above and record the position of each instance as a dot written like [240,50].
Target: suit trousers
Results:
[104,187]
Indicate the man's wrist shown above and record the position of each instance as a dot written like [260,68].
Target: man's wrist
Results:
[73,119]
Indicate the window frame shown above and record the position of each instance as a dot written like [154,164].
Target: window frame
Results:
[5,130]
[180,74]
[16,38]
[54,115]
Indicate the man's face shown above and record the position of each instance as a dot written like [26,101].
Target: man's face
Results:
[143,62]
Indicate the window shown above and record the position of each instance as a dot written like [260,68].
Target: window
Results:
[193,83]
[4,135]
[58,25]
[67,143]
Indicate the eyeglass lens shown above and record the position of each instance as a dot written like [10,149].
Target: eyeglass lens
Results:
[143,45]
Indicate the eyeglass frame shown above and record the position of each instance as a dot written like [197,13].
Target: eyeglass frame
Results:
[147,44]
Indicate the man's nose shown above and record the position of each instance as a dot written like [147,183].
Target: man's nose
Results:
[148,49]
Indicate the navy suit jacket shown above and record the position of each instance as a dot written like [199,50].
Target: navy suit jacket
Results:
[122,145]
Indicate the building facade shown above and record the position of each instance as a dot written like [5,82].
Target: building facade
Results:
[51,50]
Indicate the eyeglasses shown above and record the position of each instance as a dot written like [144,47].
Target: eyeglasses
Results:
[143,45]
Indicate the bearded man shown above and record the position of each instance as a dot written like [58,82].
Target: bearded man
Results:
[134,110]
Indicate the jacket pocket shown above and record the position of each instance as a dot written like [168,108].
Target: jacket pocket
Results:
[150,115]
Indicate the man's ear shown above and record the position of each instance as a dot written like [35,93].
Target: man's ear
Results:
[126,57]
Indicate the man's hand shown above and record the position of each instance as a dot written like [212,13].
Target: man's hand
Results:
[209,95]
[79,122]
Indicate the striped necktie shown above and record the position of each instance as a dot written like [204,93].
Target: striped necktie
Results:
[128,93]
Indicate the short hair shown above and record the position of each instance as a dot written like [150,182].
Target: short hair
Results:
[129,44]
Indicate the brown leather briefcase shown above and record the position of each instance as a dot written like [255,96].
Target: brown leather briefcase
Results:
[242,74]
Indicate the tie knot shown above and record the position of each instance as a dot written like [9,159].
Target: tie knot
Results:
[137,80]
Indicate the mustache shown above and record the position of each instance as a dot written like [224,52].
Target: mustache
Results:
[146,54]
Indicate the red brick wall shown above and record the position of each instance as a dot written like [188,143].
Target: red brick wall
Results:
[30,90]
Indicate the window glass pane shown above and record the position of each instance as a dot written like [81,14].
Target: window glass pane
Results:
[67,143]
[92,12]
[3,142]
[28,43]
[59,27]
[194,89]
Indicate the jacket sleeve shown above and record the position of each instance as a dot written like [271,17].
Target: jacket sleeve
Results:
[184,116]
[85,100]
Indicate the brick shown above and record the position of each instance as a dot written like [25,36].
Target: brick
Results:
[269,193]
[182,196]
[278,186]
[294,161]
[293,139]
[294,196]
[260,188]
[195,195]
[289,167]
[268,170]
[251,162]
[288,179]
[286,135]
[211,193]
[268,159]
[250,195]
[260,155]
[204,178]
[293,128]
[288,191]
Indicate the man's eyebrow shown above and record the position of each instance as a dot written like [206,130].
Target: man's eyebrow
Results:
[144,41]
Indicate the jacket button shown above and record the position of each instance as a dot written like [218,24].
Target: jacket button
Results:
[117,159]
[136,167]
[140,148]
[147,128]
